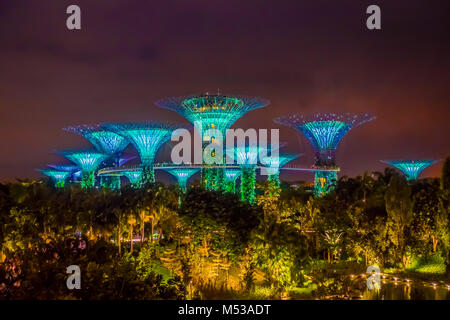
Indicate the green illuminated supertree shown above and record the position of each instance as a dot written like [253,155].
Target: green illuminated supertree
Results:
[106,142]
[147,138]
[411,168]
[88,161]
[182,175]
[273,165]
[212,112]
[231,176]
[59,177]
[325,132]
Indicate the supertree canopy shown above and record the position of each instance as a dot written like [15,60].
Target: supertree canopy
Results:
[411,168]
[64,167]
[231,177]
[147,137]
[324,131]
[273,165]
[133,176]
[182,175]
[88,161]
[212,111]
[59,177]
[107,142]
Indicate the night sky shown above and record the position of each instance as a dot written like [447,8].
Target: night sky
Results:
[304,56]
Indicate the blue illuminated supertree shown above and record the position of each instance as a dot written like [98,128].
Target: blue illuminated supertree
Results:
[231,177]
[218,112]
[59,177]
[411,168]
[73,170]
[88,161]
[182,175]
[134,176]
[147,137]
[325,132]
[273,165]
[106,142]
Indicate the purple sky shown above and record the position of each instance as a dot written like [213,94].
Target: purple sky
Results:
[304,56]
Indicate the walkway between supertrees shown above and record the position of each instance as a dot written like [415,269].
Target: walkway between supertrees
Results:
[88,161]
[58,177]
[325,131]
[411,168]
[106,142]
[212,111]
[273,165]
[147,137]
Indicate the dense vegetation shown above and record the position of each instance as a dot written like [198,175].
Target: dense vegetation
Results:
[212,245]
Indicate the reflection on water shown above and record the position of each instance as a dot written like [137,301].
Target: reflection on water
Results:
[402,291]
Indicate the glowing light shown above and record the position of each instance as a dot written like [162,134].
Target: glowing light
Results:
[147,138]
[88,161]
[324,131]
[411,168]
[59,177]
[182,175]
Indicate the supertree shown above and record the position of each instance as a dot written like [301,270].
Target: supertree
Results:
[325,132]
[273,165]
[147,137]
[411,168]
[59,177]
[212,112]
[231,177]
[88,161]
[73,170]
[134,176]
[247,159]
[106,142]
[182,175]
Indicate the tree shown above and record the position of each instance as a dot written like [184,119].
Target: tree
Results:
[398,207]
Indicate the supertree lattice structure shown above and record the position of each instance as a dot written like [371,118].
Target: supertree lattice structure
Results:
[73,170]
[107,142]
[411,168]
[231,177]
[325,131]
[217,112]
[59,177]
[182,175]
[147,137]
[273,165]
[88,161]
[134,176]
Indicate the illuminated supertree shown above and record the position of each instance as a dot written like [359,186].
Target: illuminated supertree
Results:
[107,142]
[147,137]
[134,176]
[59,177]
[411,168]
[273,165]
[182,175]
[247,158]
[73,170]
[325,132]
[231,177]
[88,161]
[212,112]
